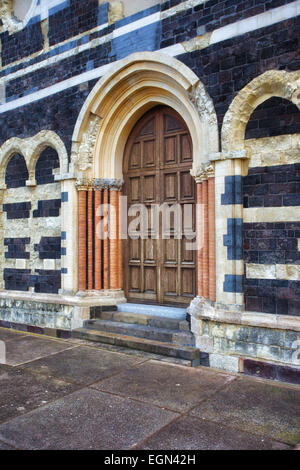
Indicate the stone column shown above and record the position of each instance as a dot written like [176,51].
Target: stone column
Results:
[98,241]
[120,258]
[115,187]
[229,225]
[69,234]
[90,253]
[199,230]
[105,242]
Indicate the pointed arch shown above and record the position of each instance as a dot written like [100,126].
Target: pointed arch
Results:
[131,88]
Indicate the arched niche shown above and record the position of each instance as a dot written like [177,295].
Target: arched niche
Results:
[131,88]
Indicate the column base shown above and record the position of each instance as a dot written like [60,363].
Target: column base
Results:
[63,311]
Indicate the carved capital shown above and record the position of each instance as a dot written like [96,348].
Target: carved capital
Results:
[202,173]
[84,184]
[108,183]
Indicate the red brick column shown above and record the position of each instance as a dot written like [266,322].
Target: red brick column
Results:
[205,265]
[120,259]
[199,240]
[211,239]
[98,260]
[90,253]
[114,262]
[82,239]
[105,243]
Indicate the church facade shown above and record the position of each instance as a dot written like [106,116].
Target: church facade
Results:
[110,111]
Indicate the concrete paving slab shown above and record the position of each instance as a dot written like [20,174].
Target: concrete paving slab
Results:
[28,348]
[87,419]
[8,335]
[130,352]
[174,387]
[190,433]
[5,447]
[257,407]
[21,391]
[83,365]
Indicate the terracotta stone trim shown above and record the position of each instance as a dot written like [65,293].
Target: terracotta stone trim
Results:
[200,239]
[211,239]
[105,242]
[90,240]
[120,259]
[205,264]
[98,259]
[114,261]
[82,240]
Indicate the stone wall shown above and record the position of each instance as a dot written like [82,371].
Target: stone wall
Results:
[31,226]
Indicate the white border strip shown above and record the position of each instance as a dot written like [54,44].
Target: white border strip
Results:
[263,20]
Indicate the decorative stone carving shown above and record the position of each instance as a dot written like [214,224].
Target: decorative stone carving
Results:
[88,141]
[197,43]
[202,173]
[203,102]
[15,16]
[6,15]
[84,184]
[106,183]
[116,11]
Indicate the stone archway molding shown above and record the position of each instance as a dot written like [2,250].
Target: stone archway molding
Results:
[31,149]
[271,83]
[130,88]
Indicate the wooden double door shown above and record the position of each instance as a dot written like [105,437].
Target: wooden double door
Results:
[159,264]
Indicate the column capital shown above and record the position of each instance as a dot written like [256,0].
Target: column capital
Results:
[108,183]
[84,184]
[203,172]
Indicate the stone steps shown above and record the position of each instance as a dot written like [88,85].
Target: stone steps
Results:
[144,319]
[153,329]
[175,336]
[150,346]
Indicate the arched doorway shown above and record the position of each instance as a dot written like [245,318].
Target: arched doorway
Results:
[158,267]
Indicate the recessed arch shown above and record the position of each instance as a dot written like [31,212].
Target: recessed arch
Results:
[46,139]
[272,83]
[127,92]
[31,149]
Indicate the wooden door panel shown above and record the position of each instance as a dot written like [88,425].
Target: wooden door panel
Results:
[170,150]
[135,190]
[148,153]
[135,278]
[188,282]
[150,254]
[188,256]
[170,250]
[187,190]
[135,157]
[170,187]
[170,282]
[134,250]
[150,279]
[186,154]
[157,163]
[149,188]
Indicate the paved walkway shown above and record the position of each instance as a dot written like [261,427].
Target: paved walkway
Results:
[57,394]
